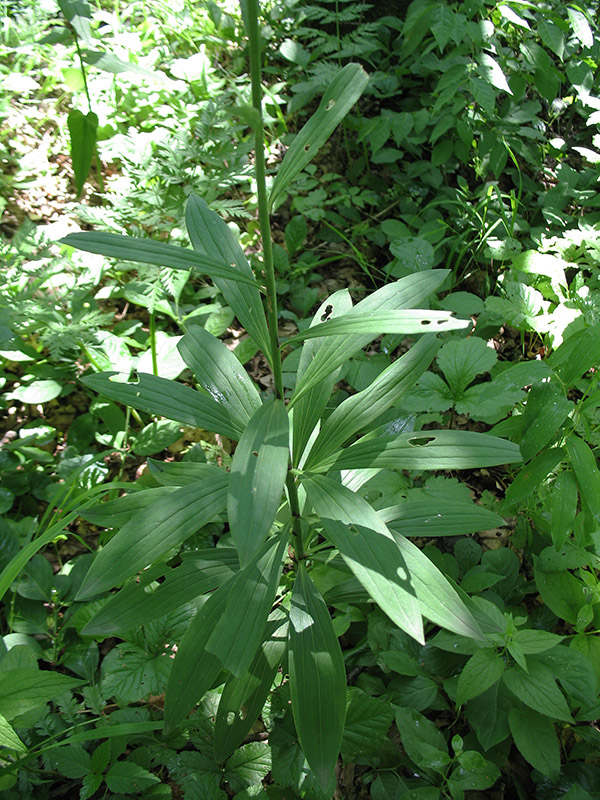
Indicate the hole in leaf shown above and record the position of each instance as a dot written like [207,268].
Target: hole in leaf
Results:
[421,441]
[353,529]
[255,453]
[330,104]
[327,313]
[425,322]
[306,148]
[441,321]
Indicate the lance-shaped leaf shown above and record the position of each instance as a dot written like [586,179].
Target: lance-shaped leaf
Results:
[210,236]
[317,678]
[179,473]
[369,549]
[342,93]
[248,606]
[169,399]
[409,321]
[149,251]
[201,572]
[154,531]
[426,450]
[258,472]
[586,472]
[405,293]
[243,698]
[359,410]
[83,132]
[220,373]
[195,669]
[115,513]
[309,409]
[351,524]
[451,518]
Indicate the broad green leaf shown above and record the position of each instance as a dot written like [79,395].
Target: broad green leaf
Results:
[247,767]
[451,518]
[248,605]
[156,436]
[375,324]
[168,399]
[537,689]
[210,236]
[133,606]
[78,13]
[573,669]
[357,411]
[41,391]
[552,36]
[472,771]
[72,761]
[220,373]
[309,409]
[563,508]
[532,475]
[21,690]
[546,410]
[581,27]
[562,592]
[317,678]
[422,740]
[195,669]
[481,671]
[368,721]
[257,477]
[243,698]
[531,640]
[8,738]
[488,715]
[129,778]
[586,472]
[577,355]
[405,293]
[439,449]
[83,131]
[492,72]
[149,251]
[536,739]
[154,531]
[461,361]
[370,551]
[341,94]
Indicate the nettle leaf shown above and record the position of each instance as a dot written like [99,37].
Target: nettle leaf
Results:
[129,778]
[130,673]
[537,689]
[430,393]
[71,761]
[481,671]
[342,93]
[317,678]
[536,739]
[368,720]
[257,477]
[461,362]
[154,531]
[22,690]
[248,765]
[211,237]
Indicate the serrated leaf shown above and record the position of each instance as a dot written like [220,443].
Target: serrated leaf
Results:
[248,765]
[220,373]
[359,410]
[211,237]
[129,778]
[537,689]
[368,720]
[405,293]
[535,641]
[149,251]
[317,678]
[461,361]
[160,396]
[8,738]
[341,94]
[24,689]
[154,531]
[71,761]
[536,739]
[439,449]
[481,671]
[257,476]
[130,674]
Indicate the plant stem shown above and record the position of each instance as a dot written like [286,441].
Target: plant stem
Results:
[263,205]
[153,343]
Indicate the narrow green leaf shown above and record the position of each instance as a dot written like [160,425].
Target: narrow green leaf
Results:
[586,472]
[546,410]
[317,678]
[341,94]
[452,518]
[179,473]
[22,690]
[533,474]
[115,513]
[201,572]
[83,131]
[481,671]
[369,550]
[425,450]
[220,373]
[211,237]
[577,355]
[149,251]
[243,698]
[258,473]
[411,321]
[405,293]
[537,689]
[357,411]
[309,409]
[248,605]
[162,397]
[536,739]
[154,531]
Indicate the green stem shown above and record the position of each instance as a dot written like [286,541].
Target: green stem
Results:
[263,203]
[292,488]
[153,343]
[85,83]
